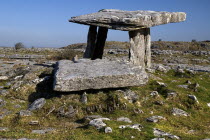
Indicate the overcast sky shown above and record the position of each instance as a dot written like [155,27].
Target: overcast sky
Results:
[44,23]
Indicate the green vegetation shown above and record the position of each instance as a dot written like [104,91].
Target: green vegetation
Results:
[65,127]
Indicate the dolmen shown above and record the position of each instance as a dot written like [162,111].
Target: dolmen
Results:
[93,72]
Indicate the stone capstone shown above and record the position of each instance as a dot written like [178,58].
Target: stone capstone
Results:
[128,20]
[97,74]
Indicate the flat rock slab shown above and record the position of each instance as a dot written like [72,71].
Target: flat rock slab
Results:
[97,74]
[128,20]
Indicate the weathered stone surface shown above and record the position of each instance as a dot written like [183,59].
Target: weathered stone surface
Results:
[25,113]
[124,119]
[133,126]
[194,98]
[128,20]
[97,74]
[108,130]
[98,123]
[160,133]
[179,112]
[37,104]
[155,119]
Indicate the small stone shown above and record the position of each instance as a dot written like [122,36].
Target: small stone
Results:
[138,111]
[150,70]
[71,112]
[171,94]
[91,117]
[17,106]
[162,69]
[130,96]
[183,86]
[208,104]
[124,119]
[160,133]
[134,126]
[25,113]
[33,122]
[2,103]
[154,94]
[3,129]
[108,130]
[98,123]
[84,98]
[155,119]
[159,102]
[194,98]
[161,84]
[191,131]
[158,139]
[179,112]
[132,137]
[3,78]
[188,82]
[4,92]
[44,131]
[180,71]
[37,104]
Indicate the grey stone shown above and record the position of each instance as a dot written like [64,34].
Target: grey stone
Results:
[130,96]
[84,98]
[97,74]
[124,119]
[37,104]
[158,139]
[183,86]
[160,133]
[154,94]
[161,68]
[91,117]
[69,114]
[133,126]
[33,122]
[128,20]
[3,78]
[159,102]
[2,103]
[98,123]
[194,98]
[4,92]
[171,94]
[179,112]
[108,130]
[25,113]
[138,111]
[155,119]
[44,131]
[3,129]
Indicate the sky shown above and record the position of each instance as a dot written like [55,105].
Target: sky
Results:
[44,23]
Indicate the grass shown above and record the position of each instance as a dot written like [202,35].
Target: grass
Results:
[198,119]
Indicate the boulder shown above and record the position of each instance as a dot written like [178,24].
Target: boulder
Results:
[98,123]
[108,130]
[97,74]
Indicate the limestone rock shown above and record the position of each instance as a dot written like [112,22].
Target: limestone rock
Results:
[84,98]
[160,133]
[97,74]
[37,104]
[133,126]
[179,112]
[43,131]
[194,98]
[130,96]
[3,78]
[25,113]
[155,119]
[98,123]
[154,94]
[124,119]
[208,104]
[108,130]
[128,20]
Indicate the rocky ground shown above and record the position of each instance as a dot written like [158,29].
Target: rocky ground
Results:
[175,103]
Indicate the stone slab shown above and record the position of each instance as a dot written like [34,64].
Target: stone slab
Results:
[97,74]
[128,20]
